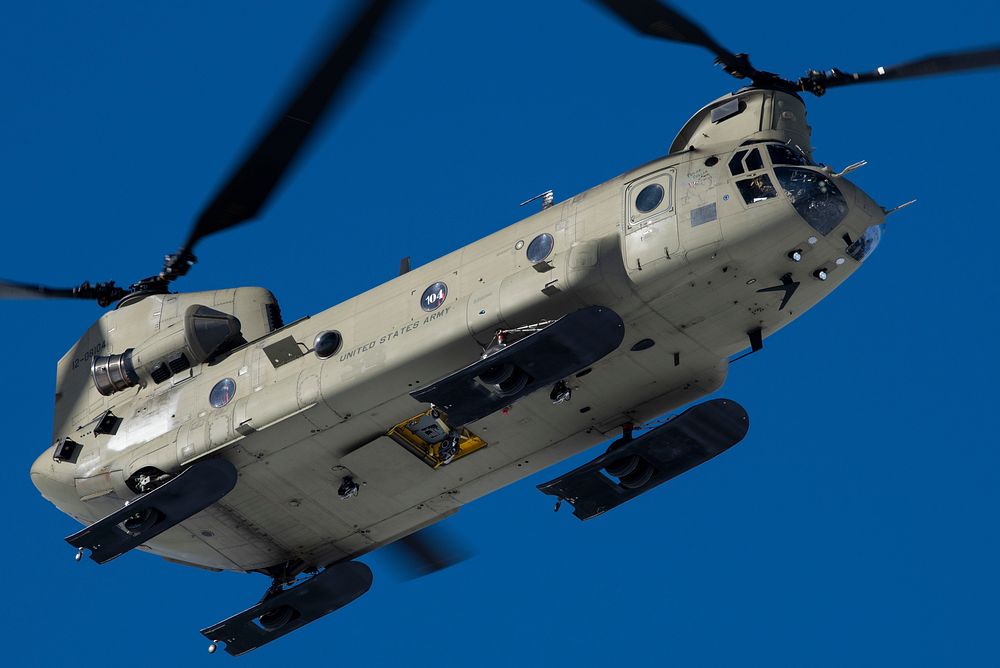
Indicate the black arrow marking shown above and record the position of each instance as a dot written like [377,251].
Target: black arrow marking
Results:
[788,286]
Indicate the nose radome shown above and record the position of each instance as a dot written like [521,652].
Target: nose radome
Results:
[54,479]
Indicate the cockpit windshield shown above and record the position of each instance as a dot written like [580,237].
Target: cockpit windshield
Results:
[867,243]
[782,154]
[814,196]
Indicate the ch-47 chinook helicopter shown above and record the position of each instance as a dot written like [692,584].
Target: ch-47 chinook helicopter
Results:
[184,422]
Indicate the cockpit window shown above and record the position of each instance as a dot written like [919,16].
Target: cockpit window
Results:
[736,164]
[757,189]
[866,243]
[814,196]
[786,155]
[753,161]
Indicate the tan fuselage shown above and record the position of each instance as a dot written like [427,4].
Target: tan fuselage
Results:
[685,275]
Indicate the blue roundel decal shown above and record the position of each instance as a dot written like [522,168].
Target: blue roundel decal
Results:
[433,296]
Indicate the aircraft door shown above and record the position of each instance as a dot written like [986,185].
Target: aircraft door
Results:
[650,220]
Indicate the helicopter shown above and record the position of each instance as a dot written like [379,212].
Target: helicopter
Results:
[650,266]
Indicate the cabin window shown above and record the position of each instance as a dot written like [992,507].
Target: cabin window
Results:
[222,393]
[649,198]
[757,189]
[541,247]
[327,343]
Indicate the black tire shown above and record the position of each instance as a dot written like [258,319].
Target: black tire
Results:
[497,374]
[623,467]
[638,478]
[141,522]
[272,620]
[513,385]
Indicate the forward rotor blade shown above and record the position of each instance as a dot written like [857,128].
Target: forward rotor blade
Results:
[657,19]
[931,65]
[12,290]
[249,187]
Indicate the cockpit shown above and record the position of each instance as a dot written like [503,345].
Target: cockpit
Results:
[810,191]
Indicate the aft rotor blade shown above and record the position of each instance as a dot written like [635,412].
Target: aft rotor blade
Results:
[427,551]
[657,19]
[931,65]
[249,187]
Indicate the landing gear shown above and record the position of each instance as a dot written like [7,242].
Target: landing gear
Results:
[272,620]
[632,472]
[283,610]
[507,378]
[147,479]
[142,521]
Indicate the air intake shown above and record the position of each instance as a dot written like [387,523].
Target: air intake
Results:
[113,373]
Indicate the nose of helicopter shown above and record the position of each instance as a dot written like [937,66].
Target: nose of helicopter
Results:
[54,479]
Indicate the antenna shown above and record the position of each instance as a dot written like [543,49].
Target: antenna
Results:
[547,198]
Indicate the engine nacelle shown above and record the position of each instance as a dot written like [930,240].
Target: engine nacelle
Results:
[191,340]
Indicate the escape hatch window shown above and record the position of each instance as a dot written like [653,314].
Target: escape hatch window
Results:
[757,189]
[650,199]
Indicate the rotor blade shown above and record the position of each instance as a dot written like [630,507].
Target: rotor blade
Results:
[249,187]
[657,19]
[427,551]
[938,64]
[12,290]
[103,293]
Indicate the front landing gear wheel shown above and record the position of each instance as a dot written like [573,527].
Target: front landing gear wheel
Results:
[272,620]
[142,521]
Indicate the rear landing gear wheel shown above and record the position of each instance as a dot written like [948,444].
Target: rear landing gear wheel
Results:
[497,374]
[517,382]
[272,620]
[628,465]
[637,478]
[623,467]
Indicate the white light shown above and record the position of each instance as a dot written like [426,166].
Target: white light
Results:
[840,261]
[812,241]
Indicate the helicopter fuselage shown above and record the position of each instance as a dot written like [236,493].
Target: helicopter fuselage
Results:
[735,232]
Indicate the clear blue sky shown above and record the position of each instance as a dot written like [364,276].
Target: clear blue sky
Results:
[856,524]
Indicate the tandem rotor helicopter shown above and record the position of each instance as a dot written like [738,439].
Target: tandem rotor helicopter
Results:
[184,422]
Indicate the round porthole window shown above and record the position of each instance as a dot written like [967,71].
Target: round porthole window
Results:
[433,296]
[327,343]
[222,393]
[540,247]
[649,198]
